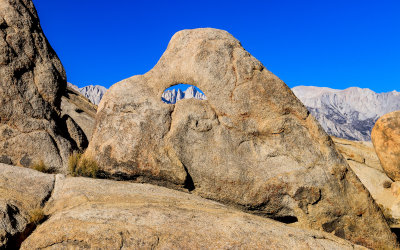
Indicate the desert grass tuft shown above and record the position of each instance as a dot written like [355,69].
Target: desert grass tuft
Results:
[73,162]
[82,165]
[41,167]
[36,216]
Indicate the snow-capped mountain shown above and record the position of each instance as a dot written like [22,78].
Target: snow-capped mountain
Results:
[92,92]
[172,96]
[349,113]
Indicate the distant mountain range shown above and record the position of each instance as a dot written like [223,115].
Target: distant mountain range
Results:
[349,113]
[174,95]
[92,92]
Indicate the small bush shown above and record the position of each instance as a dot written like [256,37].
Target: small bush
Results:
[387,184]
[80,165]
[36,216]
[41,167]
[73,162]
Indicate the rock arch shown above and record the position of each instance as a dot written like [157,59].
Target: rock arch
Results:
[252,144]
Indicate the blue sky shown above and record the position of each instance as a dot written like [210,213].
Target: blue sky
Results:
[335,44]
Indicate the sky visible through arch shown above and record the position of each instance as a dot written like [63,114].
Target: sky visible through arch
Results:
[183,87]
[336,44]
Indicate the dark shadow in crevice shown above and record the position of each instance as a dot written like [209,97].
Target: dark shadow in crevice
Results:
[396,231]
[286,219]
[15,241]
[188,184]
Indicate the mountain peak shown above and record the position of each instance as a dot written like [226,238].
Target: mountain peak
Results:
[350,113]
[172,96]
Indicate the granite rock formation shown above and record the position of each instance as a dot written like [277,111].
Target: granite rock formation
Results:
[103,214]
[32,80]
[386,140]
[252,144]
[349,113]
[364,162]
[22,191]
[82,112]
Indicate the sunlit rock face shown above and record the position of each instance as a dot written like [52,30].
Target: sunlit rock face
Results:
[252,144]
[386,140]
[349,113]
[102,214]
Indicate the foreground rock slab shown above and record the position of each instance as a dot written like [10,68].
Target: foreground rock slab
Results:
[32,80]
[22,191]
[386,139]
[252,144]
[102,214]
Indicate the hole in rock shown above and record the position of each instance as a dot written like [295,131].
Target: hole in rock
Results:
[78,111]
[286,219]
[182,91]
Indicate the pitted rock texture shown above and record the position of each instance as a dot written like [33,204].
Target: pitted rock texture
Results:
[386,139]
[21,192]
[103,214]
[32,80]
[252,144]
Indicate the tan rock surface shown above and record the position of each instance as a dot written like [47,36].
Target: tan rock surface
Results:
[102,214]
[362,152]
[21,191]
[364,162]
[80,109]
[252,144]
[385,136]
[32,80]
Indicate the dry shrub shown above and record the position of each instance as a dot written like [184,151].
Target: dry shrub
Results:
[81,165]
[73,162]
[36,215]
[41,167]
[387,184]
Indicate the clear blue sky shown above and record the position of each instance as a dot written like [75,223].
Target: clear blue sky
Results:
[336,44]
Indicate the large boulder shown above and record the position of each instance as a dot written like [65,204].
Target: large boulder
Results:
[32,80]
[386,139]
[23,193]
[252,144]
[103,214]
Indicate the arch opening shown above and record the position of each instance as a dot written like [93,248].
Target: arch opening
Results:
[181,91]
